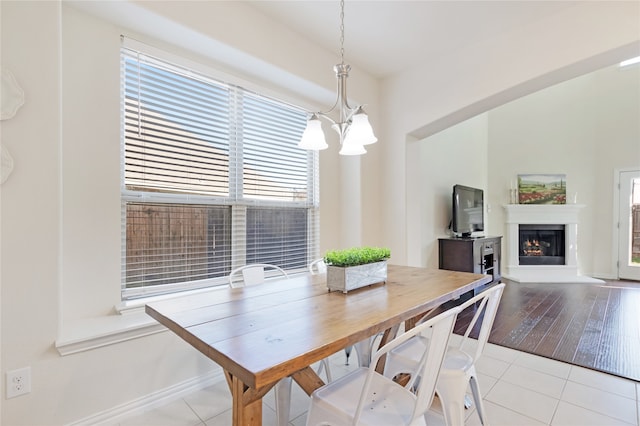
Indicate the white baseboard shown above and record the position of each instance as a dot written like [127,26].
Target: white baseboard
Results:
[605,276]
[153,400]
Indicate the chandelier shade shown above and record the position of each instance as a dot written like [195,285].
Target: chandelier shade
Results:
[352,149]
[352,124]
[313,136]
[360,131]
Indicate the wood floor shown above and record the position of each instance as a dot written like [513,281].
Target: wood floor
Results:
[594,326]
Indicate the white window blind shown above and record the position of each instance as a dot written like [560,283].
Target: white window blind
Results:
[273,167]
[176,129]
[212,179]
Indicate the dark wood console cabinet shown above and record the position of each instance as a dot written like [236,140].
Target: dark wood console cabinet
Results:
[477,255]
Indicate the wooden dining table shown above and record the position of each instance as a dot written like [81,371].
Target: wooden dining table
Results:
[262,334]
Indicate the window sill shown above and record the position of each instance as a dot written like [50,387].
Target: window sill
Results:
[130,322]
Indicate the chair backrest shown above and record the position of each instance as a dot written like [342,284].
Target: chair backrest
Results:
[252,274]
[439,329]
[486,306]
[318,267]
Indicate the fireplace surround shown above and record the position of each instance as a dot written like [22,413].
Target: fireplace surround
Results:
[547,219]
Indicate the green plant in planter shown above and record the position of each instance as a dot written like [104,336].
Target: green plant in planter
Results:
[356,256]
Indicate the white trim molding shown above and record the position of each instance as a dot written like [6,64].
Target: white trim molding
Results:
[88,334]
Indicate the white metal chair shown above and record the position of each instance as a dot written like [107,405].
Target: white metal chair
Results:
[253,274]
[458,369]
[317,266]
[365,397]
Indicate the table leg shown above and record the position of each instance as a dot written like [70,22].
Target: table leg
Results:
[245,413]
[308,380]
[388,335]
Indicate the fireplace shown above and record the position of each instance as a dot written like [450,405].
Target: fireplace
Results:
[541,244]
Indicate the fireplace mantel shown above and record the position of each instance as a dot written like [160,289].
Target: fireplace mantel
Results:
[544,214]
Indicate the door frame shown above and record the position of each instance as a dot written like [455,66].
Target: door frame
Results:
[615,255]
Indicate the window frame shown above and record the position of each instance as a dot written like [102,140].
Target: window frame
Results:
[235,201]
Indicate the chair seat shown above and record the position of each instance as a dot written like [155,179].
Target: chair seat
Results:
[404,357]
[455,359]
[387,403]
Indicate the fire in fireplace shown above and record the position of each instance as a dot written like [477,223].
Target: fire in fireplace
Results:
[541,244]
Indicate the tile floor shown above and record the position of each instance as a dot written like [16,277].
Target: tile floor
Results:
[519,389]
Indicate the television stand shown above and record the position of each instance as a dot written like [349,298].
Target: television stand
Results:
[481,255]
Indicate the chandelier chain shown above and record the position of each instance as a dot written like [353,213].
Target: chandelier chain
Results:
[342,31]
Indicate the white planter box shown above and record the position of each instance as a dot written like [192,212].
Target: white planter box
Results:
[352,277]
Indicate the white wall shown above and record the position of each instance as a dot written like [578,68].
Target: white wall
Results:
[59,207]
[549,132]
[617,103]
[457,155]
[444,91]
[30,198]
[584,128]
[60,227]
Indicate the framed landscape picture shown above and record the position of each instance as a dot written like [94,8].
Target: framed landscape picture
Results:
[542,189]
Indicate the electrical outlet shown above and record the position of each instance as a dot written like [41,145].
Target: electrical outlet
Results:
[18,382]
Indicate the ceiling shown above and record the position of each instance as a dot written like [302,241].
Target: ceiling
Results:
[385,37]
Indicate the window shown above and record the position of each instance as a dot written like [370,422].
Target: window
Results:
[212,179]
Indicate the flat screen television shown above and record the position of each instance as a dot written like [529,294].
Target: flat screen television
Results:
[468,211]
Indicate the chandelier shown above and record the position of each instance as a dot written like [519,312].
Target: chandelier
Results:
[352,123]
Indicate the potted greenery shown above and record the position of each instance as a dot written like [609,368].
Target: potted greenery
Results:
[356,267]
